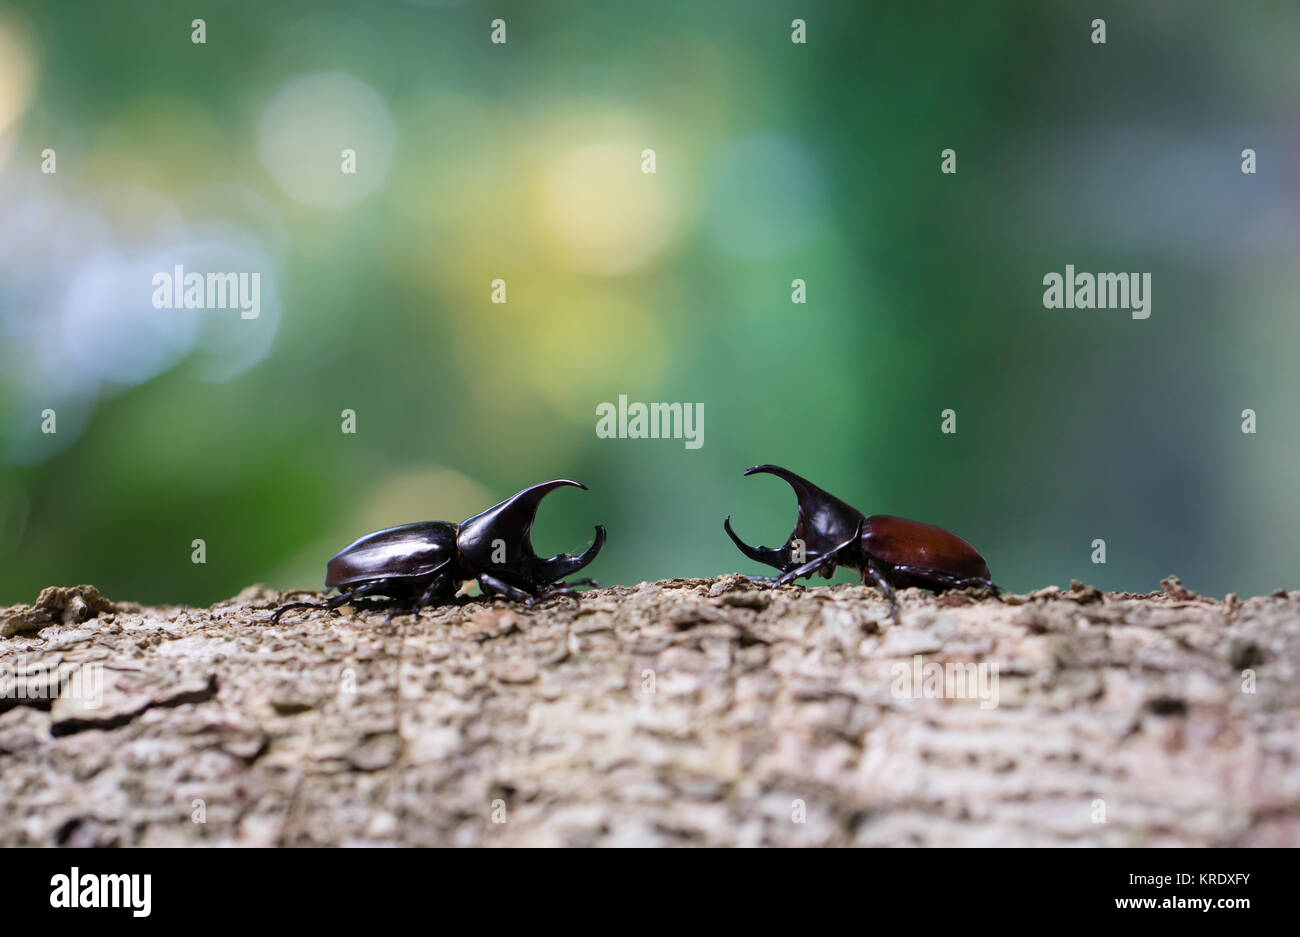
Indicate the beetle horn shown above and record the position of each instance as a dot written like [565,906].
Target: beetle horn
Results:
[563,565]
[810,496]
[764,555]
[824,520]
[511,523]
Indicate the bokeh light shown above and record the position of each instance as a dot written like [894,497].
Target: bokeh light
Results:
[307,126]
[522,163]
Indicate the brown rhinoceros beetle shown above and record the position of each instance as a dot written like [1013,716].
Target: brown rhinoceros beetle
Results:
[893,552]
[426,563]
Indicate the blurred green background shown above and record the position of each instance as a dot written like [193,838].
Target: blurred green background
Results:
[522,161]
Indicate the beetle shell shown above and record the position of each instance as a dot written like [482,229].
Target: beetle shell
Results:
[411,550]
[902,542]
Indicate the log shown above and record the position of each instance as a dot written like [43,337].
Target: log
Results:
[681,712]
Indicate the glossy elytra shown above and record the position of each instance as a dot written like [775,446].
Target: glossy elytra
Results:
[426,563]
[892,552]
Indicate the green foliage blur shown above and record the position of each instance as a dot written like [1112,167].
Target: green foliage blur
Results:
[522,161]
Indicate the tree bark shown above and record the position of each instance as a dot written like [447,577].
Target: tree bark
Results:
[688,711]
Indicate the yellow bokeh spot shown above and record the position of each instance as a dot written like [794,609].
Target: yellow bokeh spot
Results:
[17,73]
[427,493]
[17,79]
[604,215]
[590,345]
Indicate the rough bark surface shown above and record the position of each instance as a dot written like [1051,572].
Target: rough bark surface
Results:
[679,712]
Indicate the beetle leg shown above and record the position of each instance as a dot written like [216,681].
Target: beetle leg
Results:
[488,582]
[873,571]
[564,589]
[557,591]
[435,585]
[948,580]
[275,618]
[332,603]
[297,592]
[821,564]
[824,564]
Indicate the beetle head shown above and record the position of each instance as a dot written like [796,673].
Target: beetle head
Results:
[825,522]
[499,540]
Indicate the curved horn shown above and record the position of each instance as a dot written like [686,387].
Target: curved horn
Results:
[824,520]
[511,523]
[765,555]
[809,495]
[563,565]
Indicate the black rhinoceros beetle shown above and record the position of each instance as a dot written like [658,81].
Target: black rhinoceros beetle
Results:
[425,563]
[893,552]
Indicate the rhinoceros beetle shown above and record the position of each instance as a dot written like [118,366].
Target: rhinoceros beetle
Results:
[893,552]
[425,563]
